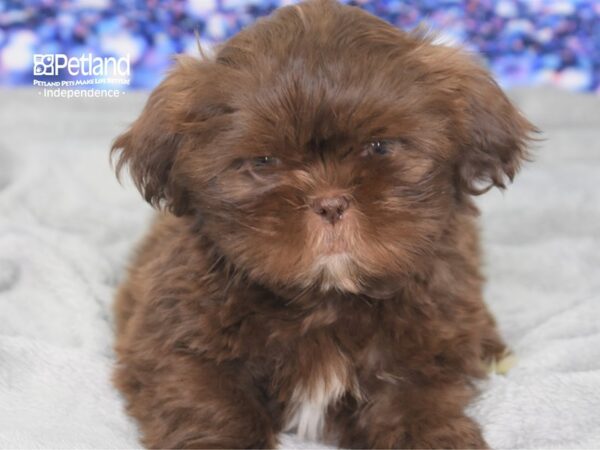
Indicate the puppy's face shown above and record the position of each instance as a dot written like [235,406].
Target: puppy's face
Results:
[322,147]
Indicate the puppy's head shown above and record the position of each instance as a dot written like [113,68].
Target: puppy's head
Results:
[323,147]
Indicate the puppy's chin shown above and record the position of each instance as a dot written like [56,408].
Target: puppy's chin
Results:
[342,272]
[336,271]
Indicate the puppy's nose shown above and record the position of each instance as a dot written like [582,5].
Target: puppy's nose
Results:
[331,209]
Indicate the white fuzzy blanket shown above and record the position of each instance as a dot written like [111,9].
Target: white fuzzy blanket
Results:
[66,228]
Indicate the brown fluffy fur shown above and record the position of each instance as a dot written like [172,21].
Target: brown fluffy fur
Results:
[252,305]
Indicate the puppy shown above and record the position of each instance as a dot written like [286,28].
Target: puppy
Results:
[315,268]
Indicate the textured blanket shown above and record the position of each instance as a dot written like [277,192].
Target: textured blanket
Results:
[67,228]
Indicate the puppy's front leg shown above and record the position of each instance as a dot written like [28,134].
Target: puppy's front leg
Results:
[415,415]
[185,402]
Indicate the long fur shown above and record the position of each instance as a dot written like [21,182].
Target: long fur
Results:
[250,307]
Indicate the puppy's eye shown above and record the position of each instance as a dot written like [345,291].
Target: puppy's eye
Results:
[264,161]
[378,148]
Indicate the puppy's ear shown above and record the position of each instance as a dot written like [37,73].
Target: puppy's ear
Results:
[493,133]
[149,148]
[156,141]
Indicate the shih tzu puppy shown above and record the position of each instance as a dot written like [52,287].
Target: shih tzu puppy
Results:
[315,266]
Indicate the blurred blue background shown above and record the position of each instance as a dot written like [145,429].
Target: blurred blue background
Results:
[524,42]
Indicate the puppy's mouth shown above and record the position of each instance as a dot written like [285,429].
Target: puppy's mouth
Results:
[333,241]
[334,265]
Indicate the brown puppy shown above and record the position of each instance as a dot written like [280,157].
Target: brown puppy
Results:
[316,268]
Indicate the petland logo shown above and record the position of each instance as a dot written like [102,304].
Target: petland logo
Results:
[59,71]
[86,65]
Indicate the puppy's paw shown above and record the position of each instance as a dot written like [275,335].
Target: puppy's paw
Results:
[502,364]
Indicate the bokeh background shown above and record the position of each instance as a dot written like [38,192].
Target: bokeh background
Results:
[537,42]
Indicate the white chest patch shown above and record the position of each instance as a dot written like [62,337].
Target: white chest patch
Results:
[306,412]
